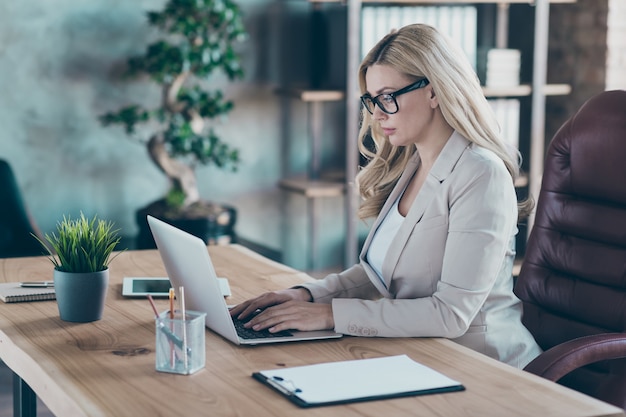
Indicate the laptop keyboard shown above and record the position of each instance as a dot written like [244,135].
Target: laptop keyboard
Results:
[253,334]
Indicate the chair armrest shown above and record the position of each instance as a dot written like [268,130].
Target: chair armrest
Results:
[560,360]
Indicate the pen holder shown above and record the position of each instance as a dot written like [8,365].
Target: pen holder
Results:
[180,347]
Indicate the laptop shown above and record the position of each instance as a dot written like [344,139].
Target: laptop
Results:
[188,264]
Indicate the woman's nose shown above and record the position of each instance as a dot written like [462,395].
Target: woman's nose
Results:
[378,114]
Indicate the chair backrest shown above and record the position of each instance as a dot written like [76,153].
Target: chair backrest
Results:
[573,278]
[15,223]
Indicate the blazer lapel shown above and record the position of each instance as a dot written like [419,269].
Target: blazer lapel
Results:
[444,165]
[395,194]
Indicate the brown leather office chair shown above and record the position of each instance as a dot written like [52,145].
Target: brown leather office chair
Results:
[573,278]
[16,224]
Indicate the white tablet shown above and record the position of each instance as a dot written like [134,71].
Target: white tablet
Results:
[158,286]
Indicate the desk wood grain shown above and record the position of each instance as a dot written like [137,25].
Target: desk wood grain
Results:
[106,368]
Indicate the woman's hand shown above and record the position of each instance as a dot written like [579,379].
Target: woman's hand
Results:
[268,299]
[298,315]
[283,310]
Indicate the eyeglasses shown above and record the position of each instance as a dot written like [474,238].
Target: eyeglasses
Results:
[387,102]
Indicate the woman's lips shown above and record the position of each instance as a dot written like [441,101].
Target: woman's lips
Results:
[388,131]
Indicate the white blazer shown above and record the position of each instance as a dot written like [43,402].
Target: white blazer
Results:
[448,271]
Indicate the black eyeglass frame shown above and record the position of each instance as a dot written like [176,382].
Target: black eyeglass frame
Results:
[421,83]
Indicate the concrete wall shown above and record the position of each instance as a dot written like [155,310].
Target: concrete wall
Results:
[60,66]
[616,43]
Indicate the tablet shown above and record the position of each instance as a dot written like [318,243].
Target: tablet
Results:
[158,286]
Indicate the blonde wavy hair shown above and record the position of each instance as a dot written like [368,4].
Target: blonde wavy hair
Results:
[418,51]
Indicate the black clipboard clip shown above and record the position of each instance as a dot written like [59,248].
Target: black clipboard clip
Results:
[285,386]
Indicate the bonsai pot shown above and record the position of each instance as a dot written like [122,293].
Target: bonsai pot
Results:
[213,223]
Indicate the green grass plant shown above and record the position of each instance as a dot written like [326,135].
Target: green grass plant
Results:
[81,245]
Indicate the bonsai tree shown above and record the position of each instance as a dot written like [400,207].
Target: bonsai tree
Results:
[198,39]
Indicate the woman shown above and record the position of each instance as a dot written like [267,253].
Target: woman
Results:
[438,259]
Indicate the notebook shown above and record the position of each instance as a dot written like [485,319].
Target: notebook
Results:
[12,292]
[188,264]
[356,380]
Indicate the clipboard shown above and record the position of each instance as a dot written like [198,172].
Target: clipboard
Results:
[356,380]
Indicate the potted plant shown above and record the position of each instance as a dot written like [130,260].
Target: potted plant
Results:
[199,38]
[81,250]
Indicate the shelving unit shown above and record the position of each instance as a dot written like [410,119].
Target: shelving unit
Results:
[314,185]
[537,91]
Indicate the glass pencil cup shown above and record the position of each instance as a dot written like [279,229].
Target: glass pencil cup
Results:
[180,347]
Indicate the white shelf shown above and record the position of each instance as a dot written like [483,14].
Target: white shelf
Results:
[526,90]
[557,89]
[521,180]
[522,90]
[313,188]
[313,95]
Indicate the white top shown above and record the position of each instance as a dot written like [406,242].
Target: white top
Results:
[383,237]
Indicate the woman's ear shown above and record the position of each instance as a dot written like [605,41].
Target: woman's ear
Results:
[434,102]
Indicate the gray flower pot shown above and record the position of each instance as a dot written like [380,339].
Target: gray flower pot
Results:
[81,296]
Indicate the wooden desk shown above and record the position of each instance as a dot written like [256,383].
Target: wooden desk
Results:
[106,368]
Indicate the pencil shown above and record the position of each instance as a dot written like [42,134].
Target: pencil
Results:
[171,303]
[181,292]
[156,312]
[172,349]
